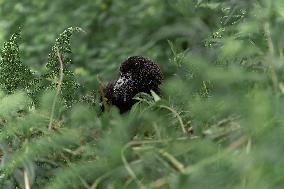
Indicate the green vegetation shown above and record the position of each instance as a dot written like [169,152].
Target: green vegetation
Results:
[218,122]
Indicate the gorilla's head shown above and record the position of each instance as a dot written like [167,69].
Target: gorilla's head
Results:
[136,74]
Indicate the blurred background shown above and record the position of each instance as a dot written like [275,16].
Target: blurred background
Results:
[114,30]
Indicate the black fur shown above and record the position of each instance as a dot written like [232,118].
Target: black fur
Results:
[136,74]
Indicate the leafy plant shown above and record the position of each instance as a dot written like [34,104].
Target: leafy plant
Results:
[14,75]
[217,123]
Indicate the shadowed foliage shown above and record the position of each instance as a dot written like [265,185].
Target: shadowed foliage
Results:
[207,113]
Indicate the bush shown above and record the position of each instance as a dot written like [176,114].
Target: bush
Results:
[217,122]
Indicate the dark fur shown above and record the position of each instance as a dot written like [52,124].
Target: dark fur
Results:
[136,74]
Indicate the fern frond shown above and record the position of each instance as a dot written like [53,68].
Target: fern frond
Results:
[62,47]
[14,74]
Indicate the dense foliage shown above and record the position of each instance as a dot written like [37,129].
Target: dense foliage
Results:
[217,123]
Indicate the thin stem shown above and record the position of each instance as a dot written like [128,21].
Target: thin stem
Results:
[108,174]
[178,165]
[269,38]
[60,81]
[128,168]
[141,142]
[102,94]
[178,117]
[26,180]
[274,77]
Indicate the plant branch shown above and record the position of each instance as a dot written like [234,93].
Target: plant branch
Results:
[59,85]
[26,180]
[178,117]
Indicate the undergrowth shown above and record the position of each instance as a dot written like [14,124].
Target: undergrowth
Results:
[218,122]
